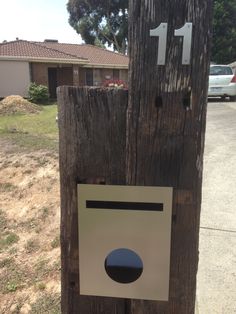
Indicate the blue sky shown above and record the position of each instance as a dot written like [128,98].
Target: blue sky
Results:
[36,20]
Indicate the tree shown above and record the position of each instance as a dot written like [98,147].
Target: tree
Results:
[101,22]
[105,22]
[224,32]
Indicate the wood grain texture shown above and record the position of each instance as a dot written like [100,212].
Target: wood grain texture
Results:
[166,129]
[160,144]
[92,128]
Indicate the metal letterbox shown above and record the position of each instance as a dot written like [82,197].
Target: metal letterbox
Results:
[124,241]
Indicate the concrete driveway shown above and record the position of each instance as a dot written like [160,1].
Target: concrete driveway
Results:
[216,292]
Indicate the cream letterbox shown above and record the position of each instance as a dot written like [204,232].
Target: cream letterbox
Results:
[124,241]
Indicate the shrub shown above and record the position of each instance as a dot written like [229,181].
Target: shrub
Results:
[38,93]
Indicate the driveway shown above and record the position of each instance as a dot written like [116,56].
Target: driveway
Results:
[216,292]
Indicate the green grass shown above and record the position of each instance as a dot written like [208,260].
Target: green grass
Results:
[8,239]
[11,286]
[47,303]
[32,131]
[3,221]
[44,213]
[32,245]
[55,242]
[41,286]
[7,187]
[41,268]
[13,276]
[6,262]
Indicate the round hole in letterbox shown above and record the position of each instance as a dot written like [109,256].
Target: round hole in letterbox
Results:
[123,265]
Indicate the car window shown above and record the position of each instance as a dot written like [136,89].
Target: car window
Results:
[219,70]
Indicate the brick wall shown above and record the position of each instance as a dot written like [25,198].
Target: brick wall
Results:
[65,76]
[39,73]
[74,74]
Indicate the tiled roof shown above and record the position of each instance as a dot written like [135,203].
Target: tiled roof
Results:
[23,48]
[95,55]
[91,55]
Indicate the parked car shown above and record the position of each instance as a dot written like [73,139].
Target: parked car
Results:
[222,82]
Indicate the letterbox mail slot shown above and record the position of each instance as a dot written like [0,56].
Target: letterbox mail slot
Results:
[124,241]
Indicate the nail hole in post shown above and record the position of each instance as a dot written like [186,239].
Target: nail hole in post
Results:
[187,101]
[174,218]
[158,102]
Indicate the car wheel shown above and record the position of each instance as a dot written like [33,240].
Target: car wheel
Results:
[232,98]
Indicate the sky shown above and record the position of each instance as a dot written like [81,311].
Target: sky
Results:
[36,20]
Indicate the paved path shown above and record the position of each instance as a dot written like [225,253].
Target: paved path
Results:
[216,293]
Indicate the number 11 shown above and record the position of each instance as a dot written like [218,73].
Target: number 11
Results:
[161,32]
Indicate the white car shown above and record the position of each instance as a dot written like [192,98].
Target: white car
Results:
[222,82]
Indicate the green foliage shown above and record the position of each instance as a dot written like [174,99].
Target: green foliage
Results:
[38,93]
[101,22]
[11,286]
[224,32]
[106,22]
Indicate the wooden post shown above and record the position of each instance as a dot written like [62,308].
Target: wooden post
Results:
[92,128]
[166,126]
[159,144]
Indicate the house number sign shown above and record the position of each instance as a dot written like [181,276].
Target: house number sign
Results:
[185,32]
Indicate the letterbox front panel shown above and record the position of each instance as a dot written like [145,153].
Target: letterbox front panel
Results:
[124,241]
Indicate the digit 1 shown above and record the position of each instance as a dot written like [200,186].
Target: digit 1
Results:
[161,32]
[186,32]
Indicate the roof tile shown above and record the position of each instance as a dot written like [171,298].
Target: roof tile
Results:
[23,48]
[96,55]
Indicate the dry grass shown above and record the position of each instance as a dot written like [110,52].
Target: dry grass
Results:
[29,232]
[29,210]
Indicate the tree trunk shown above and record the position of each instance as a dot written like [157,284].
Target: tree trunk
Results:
[92,150]
[166,128]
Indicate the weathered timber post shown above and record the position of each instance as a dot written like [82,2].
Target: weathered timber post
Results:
[157,141]
[92,128]
[169,50]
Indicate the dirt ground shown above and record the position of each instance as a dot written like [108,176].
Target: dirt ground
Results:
[29,231]
[17,104]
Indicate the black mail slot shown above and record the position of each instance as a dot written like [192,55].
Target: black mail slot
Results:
[123,265]
[124,205]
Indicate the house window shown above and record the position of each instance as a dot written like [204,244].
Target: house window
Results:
[89,77]
[116,74]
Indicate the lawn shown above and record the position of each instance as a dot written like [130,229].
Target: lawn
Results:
[29,213]
[32,131]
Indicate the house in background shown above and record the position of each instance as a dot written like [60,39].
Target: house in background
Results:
[54,64]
